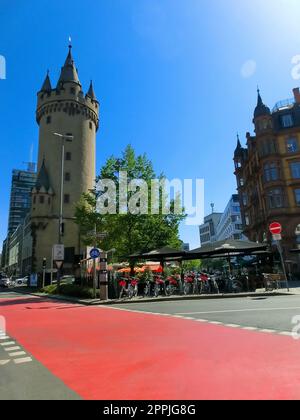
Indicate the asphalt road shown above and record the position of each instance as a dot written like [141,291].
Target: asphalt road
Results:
[275,313]
[22,377]
[70,351]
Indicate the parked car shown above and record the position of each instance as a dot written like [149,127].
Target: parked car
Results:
[5,282]
[21,282]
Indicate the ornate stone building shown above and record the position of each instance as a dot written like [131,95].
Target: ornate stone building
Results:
[67,111]
[268,173]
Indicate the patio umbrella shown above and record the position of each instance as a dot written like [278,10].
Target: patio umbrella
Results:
[159,254]
[228,247]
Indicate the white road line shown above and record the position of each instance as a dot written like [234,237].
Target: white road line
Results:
[250,328]
[13,348]
[4,362]
[215,322]
[237,310]
[17,354]
[232,325]
[24,360]
[286,333]
[8,343]
[268,331]
[5,337]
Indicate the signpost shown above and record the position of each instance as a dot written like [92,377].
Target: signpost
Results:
[95,254]
[276,231]
[58,253]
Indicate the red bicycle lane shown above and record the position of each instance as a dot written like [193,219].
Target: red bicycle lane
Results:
[103,353]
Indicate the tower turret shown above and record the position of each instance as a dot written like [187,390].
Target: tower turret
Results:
[262,115]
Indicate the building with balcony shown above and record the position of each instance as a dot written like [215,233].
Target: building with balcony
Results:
[268,173]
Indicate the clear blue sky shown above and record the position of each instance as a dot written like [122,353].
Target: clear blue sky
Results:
[168,74]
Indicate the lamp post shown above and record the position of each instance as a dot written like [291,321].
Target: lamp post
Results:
[62,169]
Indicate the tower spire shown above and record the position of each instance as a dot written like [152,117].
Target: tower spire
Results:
[47,84]
[261,109]
[68,71]
[91,92]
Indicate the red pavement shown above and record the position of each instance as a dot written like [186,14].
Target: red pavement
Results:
[102,353]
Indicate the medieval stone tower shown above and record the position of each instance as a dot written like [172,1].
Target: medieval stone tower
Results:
[64,110]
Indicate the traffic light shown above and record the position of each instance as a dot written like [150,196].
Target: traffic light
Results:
[44,263]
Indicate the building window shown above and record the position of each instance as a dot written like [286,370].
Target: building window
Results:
[295,170]
[48,120]
[245,199]
[72,91]
[292,145]
[91,125]
[34,199]
[268,147]
[241,182]
[287,121]
[67,176]
[271,172]
[247,220]
[297,197]
[68,156]
[42,199]
[297,233]
[276,198]
[66,198]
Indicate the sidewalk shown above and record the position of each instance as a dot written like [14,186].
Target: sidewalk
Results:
[94,302]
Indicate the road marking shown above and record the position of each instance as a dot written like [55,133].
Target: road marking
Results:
[232,325]
[286,333]
[206,321]
[17,354]
[4,362]
[268,331]
[5,337]
[250,328]
[24,360]
[13,348]
[237,310]
[8,343]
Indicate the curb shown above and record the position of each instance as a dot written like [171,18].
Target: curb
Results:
[98,302]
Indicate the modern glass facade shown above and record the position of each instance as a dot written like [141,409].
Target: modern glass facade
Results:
[20,197]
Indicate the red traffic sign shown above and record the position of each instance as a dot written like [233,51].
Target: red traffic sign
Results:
[275,228]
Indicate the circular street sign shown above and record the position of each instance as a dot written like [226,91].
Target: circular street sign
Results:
[275,228]
[95,253]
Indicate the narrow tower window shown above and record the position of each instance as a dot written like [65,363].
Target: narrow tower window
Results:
[67,176]
[66,198]
[49,120]
[68,156]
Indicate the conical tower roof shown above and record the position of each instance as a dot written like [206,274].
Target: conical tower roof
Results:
[43,178]
[47,84]
[68,71]
[261,109]
[91,92]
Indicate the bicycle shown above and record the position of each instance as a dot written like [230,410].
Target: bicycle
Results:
[172,286]
[188,285]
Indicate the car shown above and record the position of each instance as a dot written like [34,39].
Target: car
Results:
[5,282]
[21,282]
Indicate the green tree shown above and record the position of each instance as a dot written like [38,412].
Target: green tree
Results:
[128,233]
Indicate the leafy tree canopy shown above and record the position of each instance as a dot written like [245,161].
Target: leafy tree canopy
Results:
[128,233]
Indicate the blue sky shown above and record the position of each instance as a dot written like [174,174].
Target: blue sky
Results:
[171,75]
